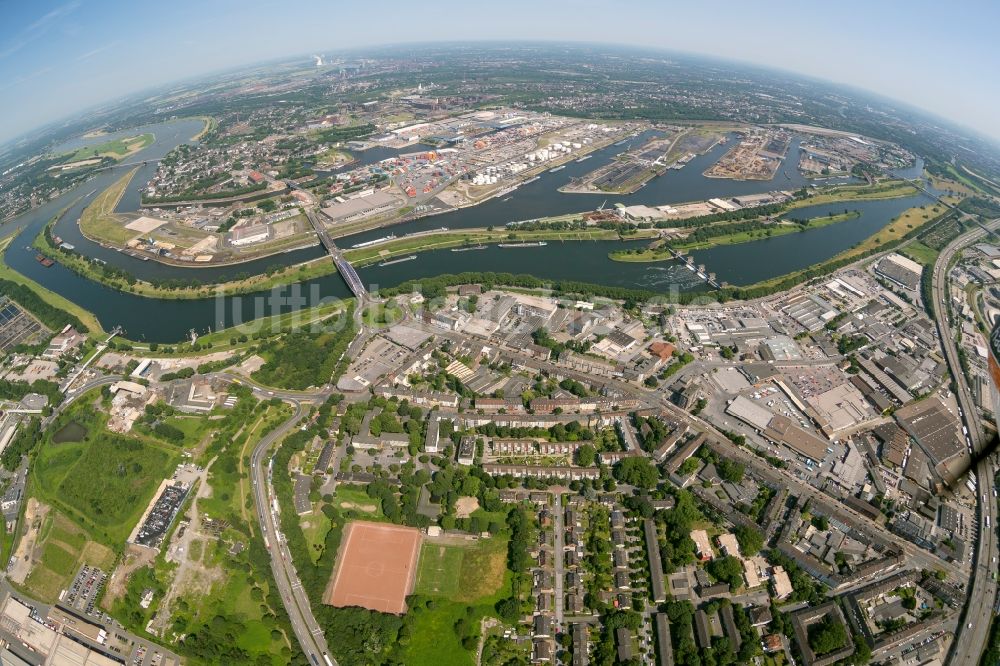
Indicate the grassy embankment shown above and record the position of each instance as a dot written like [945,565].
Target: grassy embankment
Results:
[459,238]
[98,221]
[661,253]
[888,190]
[210,343]
[907,222]
[50,297]
[465,582]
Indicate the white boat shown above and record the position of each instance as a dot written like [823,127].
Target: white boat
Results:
[530,244]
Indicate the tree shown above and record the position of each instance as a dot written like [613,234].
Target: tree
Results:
[509,610]
[826,636]
[636,471]
[751,540]
[585,455]
[727,569]
[730,470]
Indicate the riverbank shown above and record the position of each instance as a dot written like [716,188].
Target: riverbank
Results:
[210,124]
[50,297]
[909,225]
[661,252]
[177,289]
[474,237]
[98,222]
[890,189]
[242,337]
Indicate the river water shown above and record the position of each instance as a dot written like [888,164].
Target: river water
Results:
[171,320]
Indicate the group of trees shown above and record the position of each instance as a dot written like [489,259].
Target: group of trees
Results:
[727,569]
[637,471]
[652,431]
[720,652]
[542,338]
[24,441]
[827,635]
[804,586]
[51,316]
[302,359]
[560,432]
[751,540]
[678,550]
[16,390]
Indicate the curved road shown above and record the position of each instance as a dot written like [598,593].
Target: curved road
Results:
[973,632]
[293,596]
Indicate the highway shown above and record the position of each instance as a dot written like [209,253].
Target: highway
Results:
[293,596]
[973,631]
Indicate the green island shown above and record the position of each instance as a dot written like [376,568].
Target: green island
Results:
[116,149]
[744,232]
[478,236]
[903,229]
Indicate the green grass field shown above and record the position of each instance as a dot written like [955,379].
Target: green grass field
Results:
[432,637]
[465,582]
[921,253]
[116,148]
[64,547]
[438,572]
[58,559]
[103,482]
[98,220]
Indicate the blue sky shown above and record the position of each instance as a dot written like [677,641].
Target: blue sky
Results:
[60,57]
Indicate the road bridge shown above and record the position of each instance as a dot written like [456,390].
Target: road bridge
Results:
[344,267]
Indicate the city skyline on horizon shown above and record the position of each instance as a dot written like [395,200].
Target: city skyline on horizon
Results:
[61,50]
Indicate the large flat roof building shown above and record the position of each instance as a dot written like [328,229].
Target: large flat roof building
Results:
[783,430]
[361,207]
[901,270]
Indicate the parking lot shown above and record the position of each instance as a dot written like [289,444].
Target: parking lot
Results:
[85,589]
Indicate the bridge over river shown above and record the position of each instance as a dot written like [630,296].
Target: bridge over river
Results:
[344,267]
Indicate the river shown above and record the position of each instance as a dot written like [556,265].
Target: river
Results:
[587,261]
